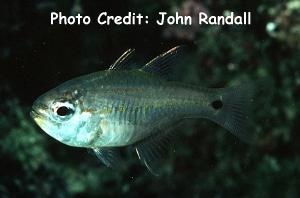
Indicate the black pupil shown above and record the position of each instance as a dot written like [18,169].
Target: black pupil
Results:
[64,111]
[217,104]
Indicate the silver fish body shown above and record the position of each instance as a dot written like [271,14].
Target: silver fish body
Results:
[127,106]
[119,107]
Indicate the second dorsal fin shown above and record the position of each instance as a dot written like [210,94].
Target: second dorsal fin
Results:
[162,64]
[123,61]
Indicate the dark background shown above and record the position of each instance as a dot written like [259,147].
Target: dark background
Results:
[208,161]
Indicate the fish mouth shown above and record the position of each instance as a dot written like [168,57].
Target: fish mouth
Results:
[38,117]
[34,114]
[37,110]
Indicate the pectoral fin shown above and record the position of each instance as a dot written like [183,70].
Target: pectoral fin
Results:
[109,156]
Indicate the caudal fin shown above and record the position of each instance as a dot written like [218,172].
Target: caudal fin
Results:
[232,109]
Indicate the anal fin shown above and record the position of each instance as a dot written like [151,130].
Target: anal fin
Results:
[152,149]
[109,156]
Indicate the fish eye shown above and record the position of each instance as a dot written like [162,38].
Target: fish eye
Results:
[64,111]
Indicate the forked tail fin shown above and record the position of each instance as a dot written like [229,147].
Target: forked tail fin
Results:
[232,108]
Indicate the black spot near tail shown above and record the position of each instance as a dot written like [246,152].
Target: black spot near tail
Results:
[217,104]
[232,111]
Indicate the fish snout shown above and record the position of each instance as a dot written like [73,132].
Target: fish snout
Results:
[38,109]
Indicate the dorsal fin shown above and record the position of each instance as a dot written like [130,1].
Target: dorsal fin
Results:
[162,64]
[122,62]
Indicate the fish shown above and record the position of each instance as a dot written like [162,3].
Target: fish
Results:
[124,106]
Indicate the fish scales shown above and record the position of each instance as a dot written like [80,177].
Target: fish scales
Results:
[121,107]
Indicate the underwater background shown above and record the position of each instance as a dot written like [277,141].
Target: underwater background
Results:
[206,160]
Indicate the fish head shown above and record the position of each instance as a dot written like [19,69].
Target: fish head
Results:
[60,113]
